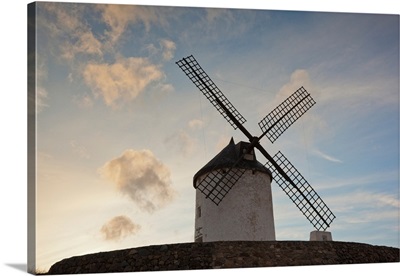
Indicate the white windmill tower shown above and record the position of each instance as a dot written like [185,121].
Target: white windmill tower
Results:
[248,205]
[233,190]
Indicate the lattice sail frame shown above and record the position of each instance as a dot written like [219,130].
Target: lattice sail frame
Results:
[196,74]
[218,182]
[303,195]
[285,114]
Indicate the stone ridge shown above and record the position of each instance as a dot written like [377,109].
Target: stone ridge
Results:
[227,254]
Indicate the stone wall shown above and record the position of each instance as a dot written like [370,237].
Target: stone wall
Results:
[236,254]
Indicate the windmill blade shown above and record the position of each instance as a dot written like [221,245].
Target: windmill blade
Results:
[301,192]
[196,74]
[285,114]
[216,185]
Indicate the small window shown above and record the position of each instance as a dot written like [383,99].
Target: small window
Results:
[198,211]
[249,155]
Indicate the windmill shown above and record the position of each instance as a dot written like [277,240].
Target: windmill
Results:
[223,175]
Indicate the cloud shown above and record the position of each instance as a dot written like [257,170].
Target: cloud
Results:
[315,125]
[41,77]
[80,150]
[167,88]
[165,50]
[214,15]
[363,180]
[386,200]
[85,43]
[41,96]
[83,101]
[366,200]
[118,17]
[169,48]
[70,37]
[121,81]
[182,142]
[141,177]
[69,32]
[226,22]
[361,207]
[196,124]
[66,16]
[326,156]
[298,79]
[118,228]
[222,142]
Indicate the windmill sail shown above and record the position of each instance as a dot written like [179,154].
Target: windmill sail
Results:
[196,74]
[301,193]
[217,184]
[285,114]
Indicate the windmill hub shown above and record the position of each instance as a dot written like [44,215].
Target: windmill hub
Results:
[254,140]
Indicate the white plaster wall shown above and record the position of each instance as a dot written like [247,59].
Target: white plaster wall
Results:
[320,236]
[246,212]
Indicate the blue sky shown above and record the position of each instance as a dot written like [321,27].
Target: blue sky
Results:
[114,111]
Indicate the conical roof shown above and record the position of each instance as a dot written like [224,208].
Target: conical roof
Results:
[227,157]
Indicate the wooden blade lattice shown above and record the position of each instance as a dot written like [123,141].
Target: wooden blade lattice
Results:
[285,114]
[216,185]
[203,82]
[302,194]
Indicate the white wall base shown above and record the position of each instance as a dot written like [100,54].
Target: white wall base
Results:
[245,213]
[320,236]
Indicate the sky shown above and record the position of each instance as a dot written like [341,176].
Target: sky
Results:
[121,130]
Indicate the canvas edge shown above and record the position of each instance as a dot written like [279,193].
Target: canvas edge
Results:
[31,133]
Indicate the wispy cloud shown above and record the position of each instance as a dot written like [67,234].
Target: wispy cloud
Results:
[298,78]
[168,47]
[222,142]
[65,17]
[64,24]
[118,17]
[84,101]
[165,50]
[196,124]
[326,156]
[363,180]
[118,228]
[366,200]
[41,76]
[86,43]
[79,149]
[227,22]
[142,177]
[181,142]
[41,96]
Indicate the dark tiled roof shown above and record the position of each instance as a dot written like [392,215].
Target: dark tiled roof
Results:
[227,157]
